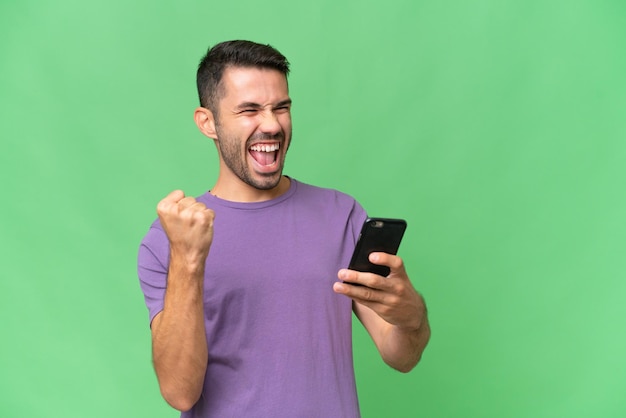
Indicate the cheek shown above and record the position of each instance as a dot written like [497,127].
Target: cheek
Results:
[285,122]
[244,129]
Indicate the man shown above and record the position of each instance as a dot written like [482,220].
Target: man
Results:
[247,315]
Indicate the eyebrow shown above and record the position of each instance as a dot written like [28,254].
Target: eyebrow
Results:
[283,103]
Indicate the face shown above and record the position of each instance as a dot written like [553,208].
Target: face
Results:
[253,127]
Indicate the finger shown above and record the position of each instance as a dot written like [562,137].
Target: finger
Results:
[169,201]
[202,215]
[353,276]
[188,202]
[195,213]
[362,294]
[174,196]
[394,262]
[372,280]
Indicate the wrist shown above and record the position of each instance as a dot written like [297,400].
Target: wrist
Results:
[189,262]
[416,326]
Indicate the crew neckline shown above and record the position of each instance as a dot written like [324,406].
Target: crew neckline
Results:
[214,200]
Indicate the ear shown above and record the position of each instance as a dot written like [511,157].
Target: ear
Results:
[205,122]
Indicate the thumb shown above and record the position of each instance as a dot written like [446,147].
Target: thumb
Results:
[169,201]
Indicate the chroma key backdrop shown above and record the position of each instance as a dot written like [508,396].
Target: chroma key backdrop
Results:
[496,128]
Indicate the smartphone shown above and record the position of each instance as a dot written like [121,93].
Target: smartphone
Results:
[377,235]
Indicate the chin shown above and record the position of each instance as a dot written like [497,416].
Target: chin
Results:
[268,184]
[267,181]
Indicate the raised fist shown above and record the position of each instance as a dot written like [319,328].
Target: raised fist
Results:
[188,225]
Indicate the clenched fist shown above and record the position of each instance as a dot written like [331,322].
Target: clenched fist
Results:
[188,225]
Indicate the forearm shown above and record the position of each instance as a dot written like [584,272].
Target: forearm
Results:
[179,347]
[402,348]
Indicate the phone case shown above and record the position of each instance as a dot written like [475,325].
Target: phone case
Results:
[377,235]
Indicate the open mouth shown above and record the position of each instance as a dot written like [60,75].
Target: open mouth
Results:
[265,154]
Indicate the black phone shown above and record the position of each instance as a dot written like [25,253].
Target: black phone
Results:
[377,235]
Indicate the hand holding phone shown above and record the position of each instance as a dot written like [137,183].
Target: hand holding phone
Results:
[377,235]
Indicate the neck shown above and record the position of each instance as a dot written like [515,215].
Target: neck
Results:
[241,192]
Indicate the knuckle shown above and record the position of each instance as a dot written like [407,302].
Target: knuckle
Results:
[376,282]
[399,288]
[162,204]
[397,262]
[393,301]
[187,201]
[163,208]
[199,217]
[385,310]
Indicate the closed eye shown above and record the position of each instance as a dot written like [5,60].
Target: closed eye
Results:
[282,109]
[284,106]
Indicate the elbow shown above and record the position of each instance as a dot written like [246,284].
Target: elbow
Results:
[409,359]
[404,367]
[180,390]
[180,400]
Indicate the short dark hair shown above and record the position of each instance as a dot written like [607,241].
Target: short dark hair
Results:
[233,54]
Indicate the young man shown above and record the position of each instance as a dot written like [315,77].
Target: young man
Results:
[247,315]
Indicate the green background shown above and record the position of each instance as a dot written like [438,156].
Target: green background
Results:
[497,128]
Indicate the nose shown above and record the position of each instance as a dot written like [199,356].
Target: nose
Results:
[269,123]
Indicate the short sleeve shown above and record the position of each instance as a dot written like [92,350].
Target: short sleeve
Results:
[152,267]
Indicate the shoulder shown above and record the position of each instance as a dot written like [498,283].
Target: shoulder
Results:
[329,202]
[309,192]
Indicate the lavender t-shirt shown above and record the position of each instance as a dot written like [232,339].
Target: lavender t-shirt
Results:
[279,338]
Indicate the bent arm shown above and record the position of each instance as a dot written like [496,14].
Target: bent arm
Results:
[179,347]
[401,348]
[391,310]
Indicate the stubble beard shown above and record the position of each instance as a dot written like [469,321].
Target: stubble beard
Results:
[231,155]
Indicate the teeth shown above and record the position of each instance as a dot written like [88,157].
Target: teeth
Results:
[265,148]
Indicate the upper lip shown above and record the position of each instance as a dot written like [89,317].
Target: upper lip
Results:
[263,138]
[256,143]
